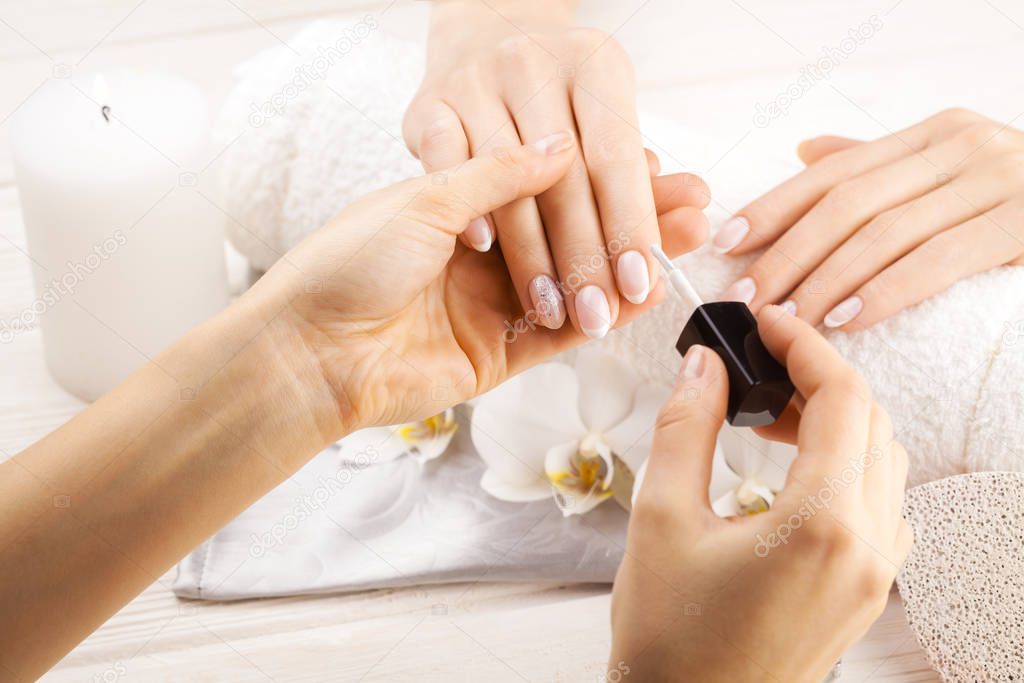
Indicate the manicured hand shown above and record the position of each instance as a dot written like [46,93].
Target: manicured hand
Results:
[404,320]
[870,228]
[779,595]
[502,73]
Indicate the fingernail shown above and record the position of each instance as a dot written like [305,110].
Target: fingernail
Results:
[743,290]
[789,306]
[592,310]
[478,234]
[693,364]
[844,312]
[730,234]
[634,280]
[547,302]
[554,143]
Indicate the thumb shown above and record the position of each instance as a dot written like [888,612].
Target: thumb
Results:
[820,147]
[454,197]
[679,468]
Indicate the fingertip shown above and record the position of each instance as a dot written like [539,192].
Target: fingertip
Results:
[653,162]
[683,229]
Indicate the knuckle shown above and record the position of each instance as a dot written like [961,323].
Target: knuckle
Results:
[883,422]
[1011,165]
[844,197]
[441,204]
[439,135]
[875,577]
[613,147]
[981,133]
[678,411]
[957,116]
[586,37]
[878,226]
[514,51]
[828,538]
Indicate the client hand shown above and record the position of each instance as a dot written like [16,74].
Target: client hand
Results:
[870,228]
[782,594]
[403,319]
[505,71]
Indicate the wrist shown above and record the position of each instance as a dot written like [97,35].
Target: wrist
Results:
[250,369]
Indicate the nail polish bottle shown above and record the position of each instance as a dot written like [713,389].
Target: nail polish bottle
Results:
[759,387]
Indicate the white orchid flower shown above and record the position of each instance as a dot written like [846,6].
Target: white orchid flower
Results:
[746,472]
[573,432]
[424,440]
[760,467]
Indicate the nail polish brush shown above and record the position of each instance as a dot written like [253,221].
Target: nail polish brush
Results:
[759,387]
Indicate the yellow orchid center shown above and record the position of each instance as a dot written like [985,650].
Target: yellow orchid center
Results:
[431,428]
[586,474]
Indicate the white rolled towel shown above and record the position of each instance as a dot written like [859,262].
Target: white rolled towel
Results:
[950,370]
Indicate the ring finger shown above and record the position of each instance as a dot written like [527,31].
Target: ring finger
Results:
[518,225]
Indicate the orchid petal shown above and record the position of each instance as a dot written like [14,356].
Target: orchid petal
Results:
[607,386]
[375,444]
[631,438]
[539,489]
[727,505]
[514,424]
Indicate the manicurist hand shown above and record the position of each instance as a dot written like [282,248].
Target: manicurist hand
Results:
[870,228]
[406,321]
[380,317]
[506,71]
[779,595]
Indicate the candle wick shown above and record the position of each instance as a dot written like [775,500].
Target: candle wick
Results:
[105,110]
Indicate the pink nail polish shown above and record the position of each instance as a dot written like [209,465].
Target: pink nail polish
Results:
[693,364]
[478,234]
[592,311]
[844,312]
[634,280]
[743,290]
[731,234]
[554,143]
[547,302]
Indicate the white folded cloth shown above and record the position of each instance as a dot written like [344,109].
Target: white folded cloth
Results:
[950,370]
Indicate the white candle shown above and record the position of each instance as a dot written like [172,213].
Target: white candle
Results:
[127,254]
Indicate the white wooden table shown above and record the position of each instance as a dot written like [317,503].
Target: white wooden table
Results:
[708,67]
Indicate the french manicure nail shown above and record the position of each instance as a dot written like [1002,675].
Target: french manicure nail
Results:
[592,311]
[789,306]
[554,143]
[634,280]
[547,302]
[693,364]
[478,234]
[730,234]
[743,290]
[844,312]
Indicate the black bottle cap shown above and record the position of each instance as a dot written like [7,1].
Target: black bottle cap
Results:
[759,387]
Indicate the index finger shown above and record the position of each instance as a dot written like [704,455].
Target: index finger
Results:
[836,419]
